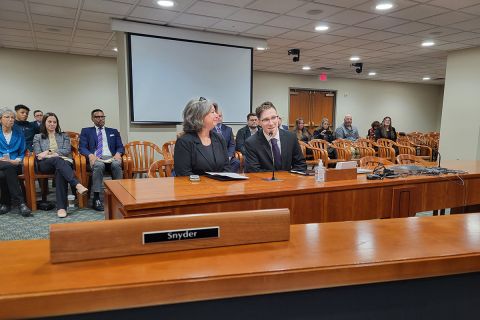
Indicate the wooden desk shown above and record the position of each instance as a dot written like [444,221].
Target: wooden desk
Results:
[308,201]
[317,256]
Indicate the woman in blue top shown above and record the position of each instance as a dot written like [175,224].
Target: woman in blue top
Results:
[12,151]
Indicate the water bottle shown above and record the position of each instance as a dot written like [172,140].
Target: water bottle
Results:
[320,172]
[71,202]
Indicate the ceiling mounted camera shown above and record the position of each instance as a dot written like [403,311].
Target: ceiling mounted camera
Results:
[295,53]
[358,67]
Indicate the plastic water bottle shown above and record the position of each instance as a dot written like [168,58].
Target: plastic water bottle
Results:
[320,172]
[71,202]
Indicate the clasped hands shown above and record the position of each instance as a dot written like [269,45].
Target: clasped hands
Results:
[92,158]
[46,154]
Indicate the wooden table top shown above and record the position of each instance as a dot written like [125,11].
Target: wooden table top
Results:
[174,191]
[317,256]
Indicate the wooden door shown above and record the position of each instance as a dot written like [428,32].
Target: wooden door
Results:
[300,102]
[322,107]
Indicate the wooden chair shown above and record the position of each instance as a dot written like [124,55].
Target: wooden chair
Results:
[414,160]
[31,176]
[386,153]
[318,154]
[402,149]
[139,157]
[365,151]
[385,142]
[343,154]
[372,162]
[363,142]
[240,158]
[168,149]
[161,169]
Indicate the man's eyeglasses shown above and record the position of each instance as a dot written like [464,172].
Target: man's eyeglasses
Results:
[99,117]
[267,120]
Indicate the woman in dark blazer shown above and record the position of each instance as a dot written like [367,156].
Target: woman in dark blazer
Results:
[199,149]
[53,150]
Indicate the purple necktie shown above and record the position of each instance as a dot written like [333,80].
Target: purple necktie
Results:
[99,150]
[276,154]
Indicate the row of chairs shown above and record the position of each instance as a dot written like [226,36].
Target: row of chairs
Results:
[137,161]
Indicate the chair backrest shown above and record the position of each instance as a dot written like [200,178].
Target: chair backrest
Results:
[319,143]
[403,149]
[365,151]
[319,154]
[365,143]
[168,149]
[74,141]
[303,147]
[372,162]
[342,143]
[386,153]
[410,159]
[385,142]
[161,169]
[344,154]
[240,158]
[141,155]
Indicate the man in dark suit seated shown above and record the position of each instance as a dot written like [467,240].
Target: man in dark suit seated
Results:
[227,134]
[244,133]
[272,145]
[38,115]
[104,148]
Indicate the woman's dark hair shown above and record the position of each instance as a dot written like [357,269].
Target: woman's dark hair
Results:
[43,127]
[375,124]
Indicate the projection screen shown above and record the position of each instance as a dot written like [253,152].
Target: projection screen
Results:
[165,73]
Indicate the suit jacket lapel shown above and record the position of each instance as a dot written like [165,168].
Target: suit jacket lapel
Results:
[266,145]
[197,141]
[284,145]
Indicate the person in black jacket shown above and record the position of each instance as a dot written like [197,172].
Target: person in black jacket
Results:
[29,129]
[386,130]
[272,146]
[244,133]
[199,149]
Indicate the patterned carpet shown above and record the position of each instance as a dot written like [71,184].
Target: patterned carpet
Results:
[15,227]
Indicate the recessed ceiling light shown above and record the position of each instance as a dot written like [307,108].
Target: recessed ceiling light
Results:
[371,73]
[165,3]
[428,43]
[322,27]
[384,6]
[261,48]
[115,49]
[354,58]
[426,78]
[306,68]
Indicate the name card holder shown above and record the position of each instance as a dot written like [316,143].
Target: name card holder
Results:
[340,174]
[115,238]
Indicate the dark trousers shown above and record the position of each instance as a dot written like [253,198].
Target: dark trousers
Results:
[9,183]
[63,177]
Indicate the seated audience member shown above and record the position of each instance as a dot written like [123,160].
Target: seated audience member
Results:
[301,131]
[38,115]
[280,125]
[244,133]
[200,149]
[347,130]
[53,150]
[12,151]
[385,130]
[371,131]
[104,148]
[29,129]
[272,146]
[325,133]
[227,133]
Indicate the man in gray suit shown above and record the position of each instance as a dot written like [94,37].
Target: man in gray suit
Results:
[271,146]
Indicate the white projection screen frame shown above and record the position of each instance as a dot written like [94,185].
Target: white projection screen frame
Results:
[165,73]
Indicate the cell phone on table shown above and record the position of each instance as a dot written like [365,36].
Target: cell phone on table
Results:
[194,177]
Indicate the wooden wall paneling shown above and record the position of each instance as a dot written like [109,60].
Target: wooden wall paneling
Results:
[437,195]
[473,190]
[403,202]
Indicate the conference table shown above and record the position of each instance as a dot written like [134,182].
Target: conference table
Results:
[410,268]
[309,201]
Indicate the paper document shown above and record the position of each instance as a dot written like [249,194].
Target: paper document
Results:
[230,175]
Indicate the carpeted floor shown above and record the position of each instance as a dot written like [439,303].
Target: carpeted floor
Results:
[15,227]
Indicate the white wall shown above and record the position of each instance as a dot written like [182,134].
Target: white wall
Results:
[460,134]
[412,107]
[69,85]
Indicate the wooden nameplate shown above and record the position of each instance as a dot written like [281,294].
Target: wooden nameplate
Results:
[340,174]
[114,238]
